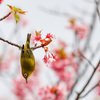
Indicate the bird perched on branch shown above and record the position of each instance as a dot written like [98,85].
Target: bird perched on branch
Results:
[27,59]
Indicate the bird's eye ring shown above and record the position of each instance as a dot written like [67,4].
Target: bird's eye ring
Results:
[25,75]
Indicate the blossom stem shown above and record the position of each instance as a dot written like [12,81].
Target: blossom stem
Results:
[33,48]
[5,16]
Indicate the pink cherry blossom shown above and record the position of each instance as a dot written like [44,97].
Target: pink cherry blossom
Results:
[52,93]
[65,75]
[60,64]
[1,1]
[49,36]
[5,64]
[62,44]
[36,36]
[80,30]
[21,89]
[48,59]
[70,85]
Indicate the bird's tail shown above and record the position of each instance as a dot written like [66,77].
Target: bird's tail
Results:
[28,37]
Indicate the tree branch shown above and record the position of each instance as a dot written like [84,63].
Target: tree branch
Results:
[13,44]
[92,56]
[59,13]
[78,94]
[86,66]
[36,47]
[5,16]
[97,8]
[90,90]
[90,31]
[87,59]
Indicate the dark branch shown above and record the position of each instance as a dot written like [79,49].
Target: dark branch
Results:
[78,95]
[13,44]
[90,90]
[91,59]
[90,31]
[97,8]
[86,66]
[86,59]
[5,16]
[36,47]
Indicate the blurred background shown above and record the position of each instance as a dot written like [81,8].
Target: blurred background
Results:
[60,18]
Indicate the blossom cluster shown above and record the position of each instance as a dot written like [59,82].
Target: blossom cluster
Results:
[1,1]
[5,62]
[22,90]
[37,38]
[65,65]
[55,92]
[80,30]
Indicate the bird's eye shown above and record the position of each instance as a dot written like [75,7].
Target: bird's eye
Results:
[25,75]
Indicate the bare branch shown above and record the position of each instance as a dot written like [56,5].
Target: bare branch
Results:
[90,31]
[92,56]
[97,8]
[5,16]
[59,13]
[13,44]
[84,49]
[78,94]
[90,90]
[36,47]
[86,59]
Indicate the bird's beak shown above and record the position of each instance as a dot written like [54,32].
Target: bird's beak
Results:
[26,80]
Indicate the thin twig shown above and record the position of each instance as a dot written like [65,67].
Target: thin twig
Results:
[13,44]
[90,32]
[64,14]
[78,94]
[86,66]
[86,59]
[91,59]
[84,49]
[97,7]
[90,90]
[5,16]
[33,48]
